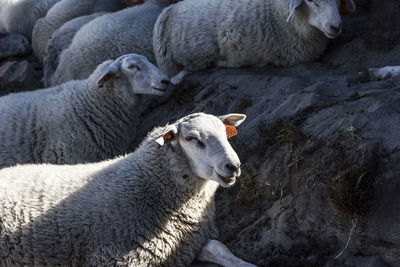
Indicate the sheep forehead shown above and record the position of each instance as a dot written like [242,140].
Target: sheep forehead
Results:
[204,125]
[326,1]
[330,3]
[135,58]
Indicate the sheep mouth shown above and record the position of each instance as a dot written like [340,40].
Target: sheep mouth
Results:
[161,89]
[332,35]
[227,180]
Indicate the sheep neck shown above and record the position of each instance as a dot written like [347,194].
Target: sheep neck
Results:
[116,112]
[178,209]
[295,35]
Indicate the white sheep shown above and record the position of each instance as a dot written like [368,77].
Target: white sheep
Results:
[60,40]
[376,74]
[19,16]
[153,207]
[80,121]
[62,12]
[193,35]
[109,36]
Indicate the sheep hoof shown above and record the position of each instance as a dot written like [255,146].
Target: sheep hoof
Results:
[216,252]
[378,74]
[177,79]
[364,76]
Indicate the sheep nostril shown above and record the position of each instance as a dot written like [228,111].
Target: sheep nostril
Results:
[336,28]
[166,82]
[231,167]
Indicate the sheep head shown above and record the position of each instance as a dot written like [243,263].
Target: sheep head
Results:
[322,14]
[138,74]
[203,139]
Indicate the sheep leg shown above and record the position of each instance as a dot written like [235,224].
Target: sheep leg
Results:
[216,252]
[179,77]
[376,74]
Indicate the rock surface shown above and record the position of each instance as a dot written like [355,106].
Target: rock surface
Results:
[320,149]
[19,75]
[13,45]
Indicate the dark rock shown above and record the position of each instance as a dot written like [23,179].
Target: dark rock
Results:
[18,76]
[320,150]
[13,45]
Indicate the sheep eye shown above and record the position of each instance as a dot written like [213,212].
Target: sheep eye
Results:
[133,67]
[190,138]
[200,143]
[309,0]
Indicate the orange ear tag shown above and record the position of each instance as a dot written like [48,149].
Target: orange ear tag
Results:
[230,130]
[167,137]
[343,9]
[137,3]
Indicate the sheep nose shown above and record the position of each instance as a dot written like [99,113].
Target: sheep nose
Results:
[232,167]
[166,82]
[335,28]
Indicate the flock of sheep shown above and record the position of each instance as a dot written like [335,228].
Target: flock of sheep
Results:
[72,198]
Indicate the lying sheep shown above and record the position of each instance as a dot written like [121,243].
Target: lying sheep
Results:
[376,74]
[153,207]
[62,12]
[193,34]
[19,16]
[60,40]
[109,36]
[80,121]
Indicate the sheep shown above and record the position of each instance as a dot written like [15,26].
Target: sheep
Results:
[60,40]
[376,74]
[109,36]
[62,12]
[80,121]
[19,16]
[194,35]
[153,207]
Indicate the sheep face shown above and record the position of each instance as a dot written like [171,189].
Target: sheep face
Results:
[141,75]
[203,139]
[322,14]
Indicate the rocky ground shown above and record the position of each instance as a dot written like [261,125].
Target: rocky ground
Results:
[320,148]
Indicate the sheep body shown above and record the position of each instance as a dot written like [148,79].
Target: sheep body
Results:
[19,16]
[59,41]
[234,34]
[76,122]
[109,36]
[135,210]
[383,73]
[62,12]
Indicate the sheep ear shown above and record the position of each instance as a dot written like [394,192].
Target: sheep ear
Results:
[292,7]
[138,2]
[347,6]
[168,135]
[111,71]
[232,119]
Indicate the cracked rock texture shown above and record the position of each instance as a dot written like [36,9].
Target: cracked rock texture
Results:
[320,149]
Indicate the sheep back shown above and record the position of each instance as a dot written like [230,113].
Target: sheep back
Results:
[232,33]
[59,41]
[75,122]
[109,36]
[62,12]
[19,16]
[136,210]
